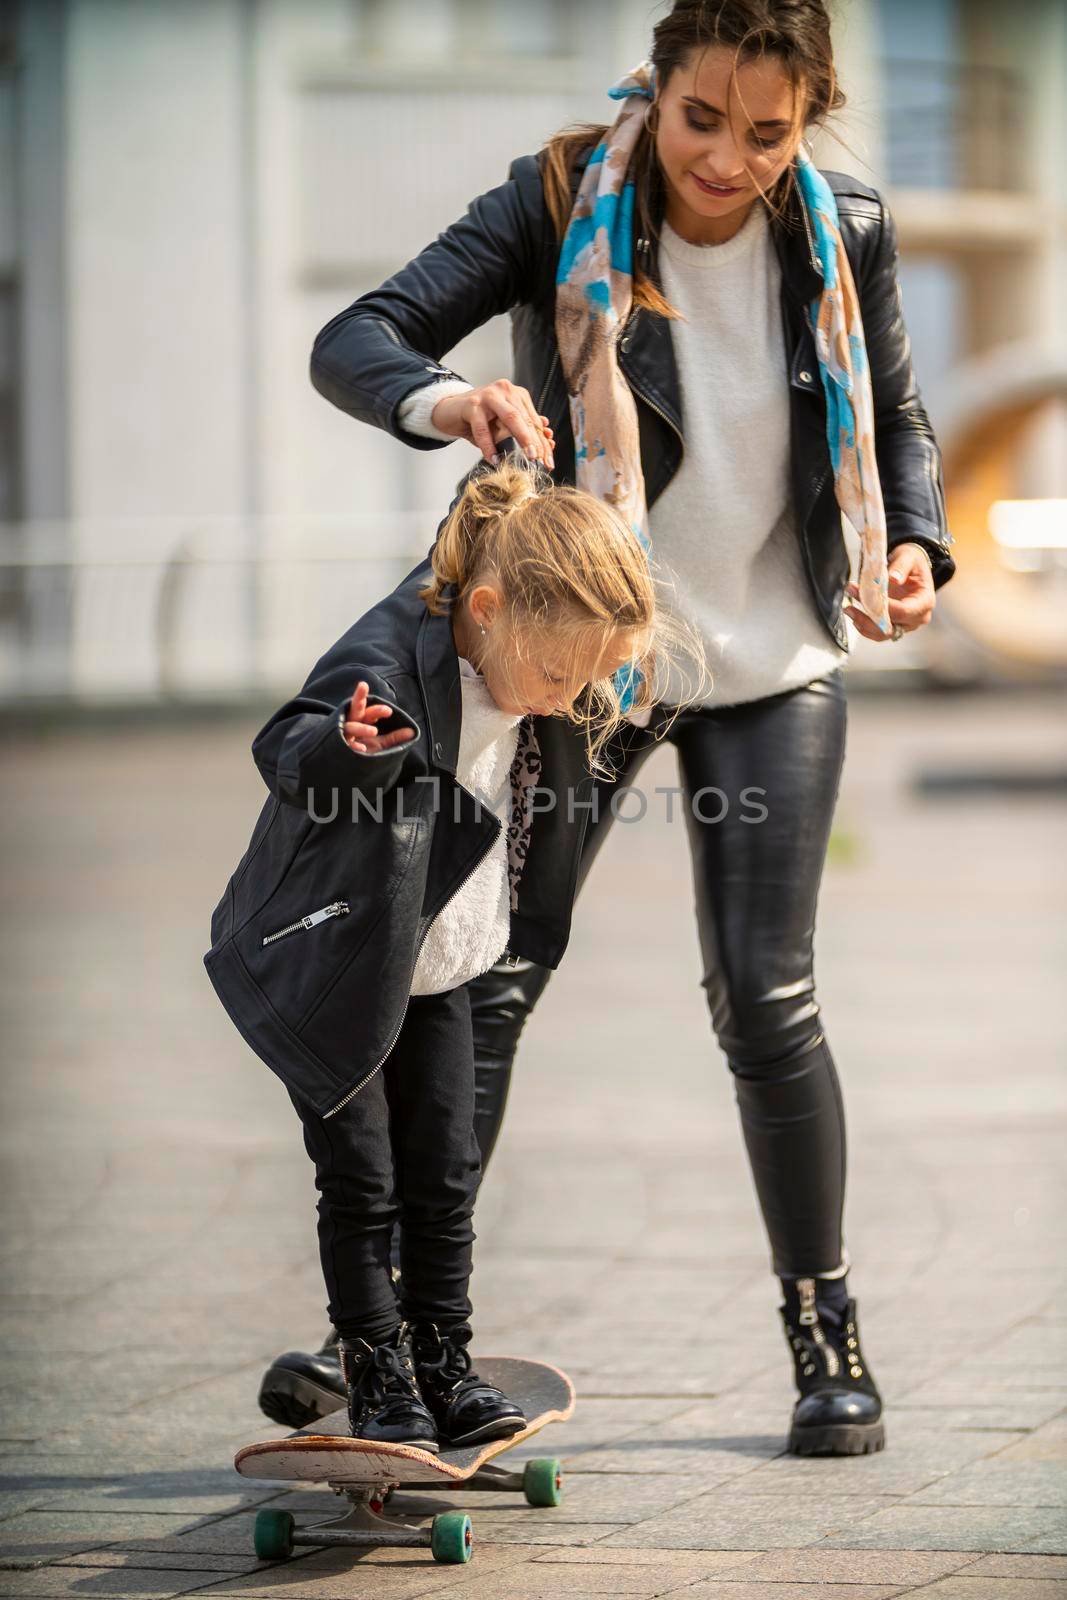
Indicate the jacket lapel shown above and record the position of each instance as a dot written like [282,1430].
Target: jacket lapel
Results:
[646,359]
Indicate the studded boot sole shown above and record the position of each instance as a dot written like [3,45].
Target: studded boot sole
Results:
[837,1439]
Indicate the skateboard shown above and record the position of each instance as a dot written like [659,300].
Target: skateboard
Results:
[366,1473]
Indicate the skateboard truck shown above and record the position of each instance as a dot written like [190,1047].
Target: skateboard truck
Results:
[449,1537]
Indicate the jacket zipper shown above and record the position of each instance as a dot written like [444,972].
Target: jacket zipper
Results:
[809,1318]
[543,396]
[647,398]
[811,241]
[801,527]
[430,920]
[660,413]
[821,483]
[338,908]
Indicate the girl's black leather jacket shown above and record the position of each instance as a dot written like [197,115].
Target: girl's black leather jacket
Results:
[315,939]
[501,257]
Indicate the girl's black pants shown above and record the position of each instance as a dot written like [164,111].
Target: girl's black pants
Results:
[756,880]
[402,1151]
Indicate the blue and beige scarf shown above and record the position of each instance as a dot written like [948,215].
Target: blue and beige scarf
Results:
[594,294]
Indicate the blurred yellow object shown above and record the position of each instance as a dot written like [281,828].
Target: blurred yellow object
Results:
[1002,433]
[1029,525]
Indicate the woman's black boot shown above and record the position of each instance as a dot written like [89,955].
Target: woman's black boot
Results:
[839,1412]
[384,1403]
[299,1387]
[465,1409]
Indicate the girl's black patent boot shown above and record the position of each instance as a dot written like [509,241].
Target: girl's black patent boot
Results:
[839,1412]
[384,1403]
[467,1410]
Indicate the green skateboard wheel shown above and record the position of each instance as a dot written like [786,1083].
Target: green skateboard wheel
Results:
[542,1481]
[273,1535]
[451,1537]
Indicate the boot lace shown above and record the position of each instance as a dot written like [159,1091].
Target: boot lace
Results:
[450,1366]
[386,1379]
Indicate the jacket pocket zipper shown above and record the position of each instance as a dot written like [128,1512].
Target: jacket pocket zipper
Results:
[415,961]
[337,908]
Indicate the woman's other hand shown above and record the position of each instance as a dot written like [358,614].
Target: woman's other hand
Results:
[360,727]
[911,594]
[499,410]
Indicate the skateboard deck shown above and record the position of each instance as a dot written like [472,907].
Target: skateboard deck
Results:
[327,1453]
[365,1473]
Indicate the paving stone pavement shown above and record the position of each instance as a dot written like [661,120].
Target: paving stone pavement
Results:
[160,1241]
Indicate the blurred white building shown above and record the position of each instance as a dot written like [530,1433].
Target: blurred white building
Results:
[190,190]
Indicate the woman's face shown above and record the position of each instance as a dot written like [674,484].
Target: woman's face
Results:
[715,140]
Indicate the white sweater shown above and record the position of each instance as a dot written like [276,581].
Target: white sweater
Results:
[471,931]
[725,547]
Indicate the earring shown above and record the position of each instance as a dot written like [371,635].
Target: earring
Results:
[652,116]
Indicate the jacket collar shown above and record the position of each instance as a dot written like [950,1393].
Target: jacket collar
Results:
[437,663]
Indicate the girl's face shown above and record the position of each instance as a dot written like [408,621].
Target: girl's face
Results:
[548,678]
[548,672]
[714,140]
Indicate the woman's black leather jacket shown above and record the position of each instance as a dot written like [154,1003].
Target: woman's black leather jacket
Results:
[501,257]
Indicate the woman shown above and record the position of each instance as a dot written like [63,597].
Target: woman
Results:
[704,342]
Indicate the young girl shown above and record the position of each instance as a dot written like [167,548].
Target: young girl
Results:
[415,827]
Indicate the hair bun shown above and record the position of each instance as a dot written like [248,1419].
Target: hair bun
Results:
[498,488]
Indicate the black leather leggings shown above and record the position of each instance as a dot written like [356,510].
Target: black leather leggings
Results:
[756,883]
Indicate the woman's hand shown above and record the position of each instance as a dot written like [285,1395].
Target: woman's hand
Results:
[499,410]
[360,727]
[911,594]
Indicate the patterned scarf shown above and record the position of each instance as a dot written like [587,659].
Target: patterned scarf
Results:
[594,294]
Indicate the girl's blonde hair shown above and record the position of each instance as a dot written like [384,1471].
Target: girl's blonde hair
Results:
[568,567]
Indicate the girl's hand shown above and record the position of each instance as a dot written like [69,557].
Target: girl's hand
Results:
[360,727]
[499,410]
[911,594]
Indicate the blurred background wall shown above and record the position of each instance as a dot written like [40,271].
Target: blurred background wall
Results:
[189,191]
